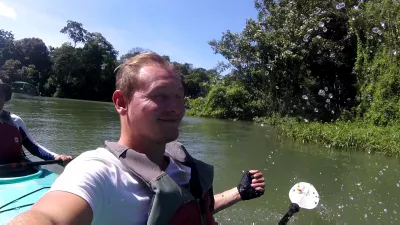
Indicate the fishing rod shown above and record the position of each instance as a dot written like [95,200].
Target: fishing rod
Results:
[302,195]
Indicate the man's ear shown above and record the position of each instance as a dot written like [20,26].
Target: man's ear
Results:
[120,103]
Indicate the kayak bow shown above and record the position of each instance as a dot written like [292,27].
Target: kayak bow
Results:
[19,192]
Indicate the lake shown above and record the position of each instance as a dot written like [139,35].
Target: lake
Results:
[354,188]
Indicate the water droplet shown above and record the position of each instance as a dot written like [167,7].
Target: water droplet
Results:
[306,120]
[365,216]
[394,52]
[398,185]
[370,37]
[380,173]
[351,198]
[376,179]
[385,210]
[356,7]
[326,88]
[321,24]
[380,203]
[335,179]
[361,1]
[330,95]
[306,38]
[316,110]
[324,29]
[358,184]
[340,5]
[375,30]
[321,92]
[380,33]
[333,111]
[304,97]
[273,163]
[383,25]
[370,192]
[277,87]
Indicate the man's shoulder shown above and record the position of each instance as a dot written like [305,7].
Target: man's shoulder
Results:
[100,155]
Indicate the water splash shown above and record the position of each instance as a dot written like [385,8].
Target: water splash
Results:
[340,5]
[375,30]
[306,38]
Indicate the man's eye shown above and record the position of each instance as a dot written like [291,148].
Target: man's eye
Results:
[160,97]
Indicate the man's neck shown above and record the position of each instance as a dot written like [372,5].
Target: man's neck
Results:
[154,151]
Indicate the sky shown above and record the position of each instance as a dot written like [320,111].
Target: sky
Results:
[177,28]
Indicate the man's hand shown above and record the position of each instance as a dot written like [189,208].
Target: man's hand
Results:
[252,185]
[65,158]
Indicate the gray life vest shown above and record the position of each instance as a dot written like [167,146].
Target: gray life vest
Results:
[168,196]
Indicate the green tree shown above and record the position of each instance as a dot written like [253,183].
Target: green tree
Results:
[75,32]
[6,46]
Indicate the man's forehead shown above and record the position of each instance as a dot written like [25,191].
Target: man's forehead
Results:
[151,74]
[156,72]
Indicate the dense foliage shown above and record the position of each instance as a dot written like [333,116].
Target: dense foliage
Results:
[315,60]
[83,69]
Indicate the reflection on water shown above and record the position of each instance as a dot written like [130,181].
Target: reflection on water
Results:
[354,188]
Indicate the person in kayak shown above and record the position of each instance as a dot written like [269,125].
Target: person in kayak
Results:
[147,177]
[14,134]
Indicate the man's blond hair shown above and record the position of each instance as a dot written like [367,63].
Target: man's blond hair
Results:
[127,73]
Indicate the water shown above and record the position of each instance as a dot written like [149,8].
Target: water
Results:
[354,188]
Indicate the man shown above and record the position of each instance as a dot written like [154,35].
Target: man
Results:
[14,135]
[146,177]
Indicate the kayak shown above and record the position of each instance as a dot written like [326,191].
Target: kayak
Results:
[20,191]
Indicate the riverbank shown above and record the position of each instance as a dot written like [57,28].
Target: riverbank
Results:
[357,136]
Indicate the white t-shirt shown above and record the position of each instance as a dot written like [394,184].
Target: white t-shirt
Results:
[114,196]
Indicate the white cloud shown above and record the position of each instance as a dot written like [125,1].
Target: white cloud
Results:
[7,11]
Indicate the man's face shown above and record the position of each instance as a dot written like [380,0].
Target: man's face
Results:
[2,98]
[157,106]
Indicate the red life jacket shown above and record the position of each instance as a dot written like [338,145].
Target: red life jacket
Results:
[171,203]
[10,140]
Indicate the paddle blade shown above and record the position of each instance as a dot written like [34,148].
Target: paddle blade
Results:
[305,195]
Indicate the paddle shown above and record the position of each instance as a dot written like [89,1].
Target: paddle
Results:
[302,195]
[28,164]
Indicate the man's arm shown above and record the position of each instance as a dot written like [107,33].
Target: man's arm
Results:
[76,196]
[56,207]
[226,199]
[250,188]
